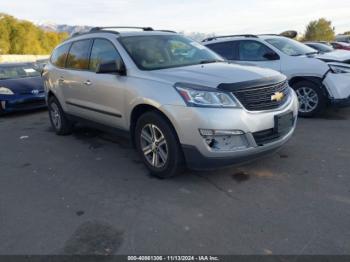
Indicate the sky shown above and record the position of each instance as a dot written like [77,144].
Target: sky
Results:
[205,16]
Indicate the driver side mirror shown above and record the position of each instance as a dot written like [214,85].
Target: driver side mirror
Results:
[271,56]
[112,67]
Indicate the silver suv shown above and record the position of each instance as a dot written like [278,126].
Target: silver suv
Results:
[181,103]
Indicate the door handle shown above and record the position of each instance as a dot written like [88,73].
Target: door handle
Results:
[61,80]
[87,83]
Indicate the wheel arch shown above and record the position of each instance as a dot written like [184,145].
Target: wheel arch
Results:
[313,79]
[50,94]
[139,110]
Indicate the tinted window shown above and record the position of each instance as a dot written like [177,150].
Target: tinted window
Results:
[334,45]
[321,47]
[78,57]
[166,51]
[59,55]
[290,46]
[103,51]
[225,49]
[253,51]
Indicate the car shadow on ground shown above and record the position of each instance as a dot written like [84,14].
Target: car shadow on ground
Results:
[96,140]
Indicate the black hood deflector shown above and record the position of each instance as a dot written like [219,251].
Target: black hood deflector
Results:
[230,87]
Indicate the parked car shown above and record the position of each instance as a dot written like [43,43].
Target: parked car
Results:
[320,47]
[21,88]
[341,45]
[343,38]
[329,54]
[181,103]
[318,79]
[40,64]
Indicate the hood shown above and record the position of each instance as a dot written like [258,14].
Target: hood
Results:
[23,85]
[335,56]
[212,75]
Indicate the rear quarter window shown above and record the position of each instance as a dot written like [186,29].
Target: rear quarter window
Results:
[59,55]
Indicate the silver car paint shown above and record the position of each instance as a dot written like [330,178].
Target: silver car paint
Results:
[121,94]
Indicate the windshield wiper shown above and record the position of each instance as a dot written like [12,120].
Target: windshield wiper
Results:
[208,61]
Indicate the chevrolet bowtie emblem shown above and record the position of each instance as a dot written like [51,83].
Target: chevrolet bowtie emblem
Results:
[278,96]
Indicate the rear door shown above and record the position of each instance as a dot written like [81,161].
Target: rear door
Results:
[54,78]
[76,90]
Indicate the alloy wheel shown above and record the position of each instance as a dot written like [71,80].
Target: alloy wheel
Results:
[154,146]
[55,115]
[308,99]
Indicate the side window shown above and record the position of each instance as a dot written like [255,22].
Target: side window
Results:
[78,57]
[253,51]
[227,50]
[59,55]
[103,51]
[335,45]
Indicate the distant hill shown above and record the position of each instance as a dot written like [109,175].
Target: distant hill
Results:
[70,29]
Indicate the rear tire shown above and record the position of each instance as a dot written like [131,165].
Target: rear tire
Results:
[59,121]
[312,100]
[157,144]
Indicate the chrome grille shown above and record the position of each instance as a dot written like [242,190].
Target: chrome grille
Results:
[260,98]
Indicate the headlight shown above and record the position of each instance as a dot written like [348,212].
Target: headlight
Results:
[198,97]
[338,69]
[5,91]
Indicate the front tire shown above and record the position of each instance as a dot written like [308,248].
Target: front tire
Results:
[158,146]
[312,100]
[59,121]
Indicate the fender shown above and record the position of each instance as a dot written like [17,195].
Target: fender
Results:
[314,79]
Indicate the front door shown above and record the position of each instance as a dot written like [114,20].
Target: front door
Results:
[251,52]
[104,93]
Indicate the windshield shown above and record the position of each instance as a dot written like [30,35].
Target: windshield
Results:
[290,46]
[17,71]
[324,48]
[166,51]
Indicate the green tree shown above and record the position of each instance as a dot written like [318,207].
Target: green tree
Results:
[4,35]
[23,37]
[347,33]
[319,30]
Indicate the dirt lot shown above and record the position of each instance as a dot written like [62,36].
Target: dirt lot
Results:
[89,193]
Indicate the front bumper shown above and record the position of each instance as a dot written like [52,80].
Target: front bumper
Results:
[14,103]
[188,120]
[338,87]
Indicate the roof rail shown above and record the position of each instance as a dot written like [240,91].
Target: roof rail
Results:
[89,32]
[94,29]
[106,29]
[225,36]
[166,31]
